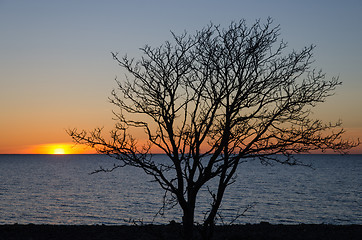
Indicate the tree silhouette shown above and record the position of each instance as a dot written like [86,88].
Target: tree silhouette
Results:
[211,100]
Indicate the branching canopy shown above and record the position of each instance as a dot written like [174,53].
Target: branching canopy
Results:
[212,99]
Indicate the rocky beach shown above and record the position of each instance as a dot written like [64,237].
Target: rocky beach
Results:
[173,231]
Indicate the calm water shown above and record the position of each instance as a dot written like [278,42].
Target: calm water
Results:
[58,189]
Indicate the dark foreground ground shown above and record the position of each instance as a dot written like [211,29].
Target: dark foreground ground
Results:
[248,232]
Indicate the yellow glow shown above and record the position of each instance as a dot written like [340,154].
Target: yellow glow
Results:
[60,148]
[59,151]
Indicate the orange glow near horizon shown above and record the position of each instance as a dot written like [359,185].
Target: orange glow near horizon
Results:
[352,134]
[60,148]
[70,148]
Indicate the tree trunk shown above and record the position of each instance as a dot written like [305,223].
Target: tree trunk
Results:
[188,222]
[209,224]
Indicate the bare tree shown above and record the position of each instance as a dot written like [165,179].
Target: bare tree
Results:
[211,100]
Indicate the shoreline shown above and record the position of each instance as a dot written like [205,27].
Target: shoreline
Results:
[174,231]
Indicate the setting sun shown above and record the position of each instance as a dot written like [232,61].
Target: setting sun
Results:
[58,151]
[60,148]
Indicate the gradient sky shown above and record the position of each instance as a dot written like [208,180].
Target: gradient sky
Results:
[56,70]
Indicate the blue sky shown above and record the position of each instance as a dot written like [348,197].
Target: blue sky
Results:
[56,70]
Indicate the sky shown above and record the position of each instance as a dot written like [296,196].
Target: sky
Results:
[56,69]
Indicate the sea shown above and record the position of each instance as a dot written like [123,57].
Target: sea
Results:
[59,189]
